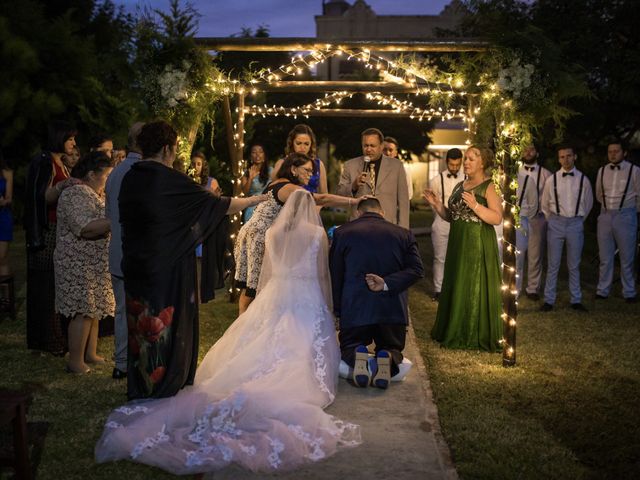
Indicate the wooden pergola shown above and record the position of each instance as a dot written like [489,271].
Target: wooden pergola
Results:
[235,129]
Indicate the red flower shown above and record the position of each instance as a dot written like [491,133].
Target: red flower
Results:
[150,328]
[134,307]
[166,316]
[157,374]
[134,346]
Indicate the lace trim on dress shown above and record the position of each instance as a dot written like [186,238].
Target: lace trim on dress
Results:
[131,411]
[319,359]
[150,442]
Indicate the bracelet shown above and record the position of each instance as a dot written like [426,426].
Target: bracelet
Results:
[349,202]
[475,206]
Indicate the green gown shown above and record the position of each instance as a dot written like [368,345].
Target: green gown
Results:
[470,308]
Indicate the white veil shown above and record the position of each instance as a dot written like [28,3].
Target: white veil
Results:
[297,246]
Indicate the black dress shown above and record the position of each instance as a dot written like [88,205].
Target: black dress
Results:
[164,215]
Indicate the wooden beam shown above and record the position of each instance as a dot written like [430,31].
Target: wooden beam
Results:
[296,44]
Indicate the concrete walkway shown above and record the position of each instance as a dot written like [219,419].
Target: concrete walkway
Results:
[400,432]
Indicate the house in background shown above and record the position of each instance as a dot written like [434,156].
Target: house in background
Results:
[358,21]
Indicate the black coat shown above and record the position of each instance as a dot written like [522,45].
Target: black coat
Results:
[371,244]
[35,205]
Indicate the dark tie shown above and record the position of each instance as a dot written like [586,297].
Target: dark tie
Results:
[454,175]
[614,166]
[564,174]
[530,169]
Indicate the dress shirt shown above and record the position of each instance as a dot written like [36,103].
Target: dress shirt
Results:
[449,181]
[529,201]
[568,193]
[112,210]
[614,182]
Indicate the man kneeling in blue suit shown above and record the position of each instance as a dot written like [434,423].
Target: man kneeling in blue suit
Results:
[373,262]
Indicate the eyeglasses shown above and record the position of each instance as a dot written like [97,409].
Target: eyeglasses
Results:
[308,170]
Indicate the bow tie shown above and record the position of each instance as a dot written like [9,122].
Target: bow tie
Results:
[614,166]
[454,175]
[529,169]
[564,174]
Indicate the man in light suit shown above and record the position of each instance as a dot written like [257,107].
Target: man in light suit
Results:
[375,174]
[373,262]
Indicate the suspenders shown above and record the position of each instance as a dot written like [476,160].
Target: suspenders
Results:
[579,196]
[555,192]
[626,187]
[538,189]
[442,186]
[524,189]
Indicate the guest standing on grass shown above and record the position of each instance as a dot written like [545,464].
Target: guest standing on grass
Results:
[47,177]
[618,191]
[256,177]
[112,191]
[302,140]
[443,185]
[81,260]
[470,303]
[164,215]
[531,237]
[566,202]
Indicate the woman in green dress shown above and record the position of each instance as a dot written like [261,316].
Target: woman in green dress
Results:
[469,309]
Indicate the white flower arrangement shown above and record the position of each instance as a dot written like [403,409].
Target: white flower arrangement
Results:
[515,78]
[173,84]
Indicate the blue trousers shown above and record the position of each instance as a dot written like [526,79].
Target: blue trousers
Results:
[121,329]
[617,228]
[531,239]
[561,230]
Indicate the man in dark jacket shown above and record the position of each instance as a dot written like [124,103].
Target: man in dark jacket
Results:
[373,262]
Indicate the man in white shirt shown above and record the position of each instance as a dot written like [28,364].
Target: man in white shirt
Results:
[442,185]
[532,235]
[618,191]
[567,199]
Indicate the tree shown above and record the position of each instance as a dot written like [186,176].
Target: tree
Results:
[52,67]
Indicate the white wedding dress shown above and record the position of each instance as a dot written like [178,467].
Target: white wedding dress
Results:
[259,393]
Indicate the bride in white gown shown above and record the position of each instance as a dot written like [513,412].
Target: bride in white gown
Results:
[259,393]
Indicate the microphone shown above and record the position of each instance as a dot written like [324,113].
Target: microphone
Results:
[367,161]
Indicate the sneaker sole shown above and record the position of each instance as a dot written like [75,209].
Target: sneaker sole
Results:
[361,375]
[383,375]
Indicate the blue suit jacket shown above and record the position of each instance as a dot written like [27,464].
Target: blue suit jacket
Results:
[371,244]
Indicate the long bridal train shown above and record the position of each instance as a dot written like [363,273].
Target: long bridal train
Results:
[260,391]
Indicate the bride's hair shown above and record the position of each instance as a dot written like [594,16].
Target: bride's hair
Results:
[292,160]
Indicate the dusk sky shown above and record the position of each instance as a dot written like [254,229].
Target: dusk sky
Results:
[285,18]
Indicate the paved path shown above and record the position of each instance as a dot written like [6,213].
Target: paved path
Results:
[400,433]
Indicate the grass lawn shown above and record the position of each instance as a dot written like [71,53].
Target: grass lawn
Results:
[569,409]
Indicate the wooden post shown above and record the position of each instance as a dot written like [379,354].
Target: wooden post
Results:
[235,157]
[509,304]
